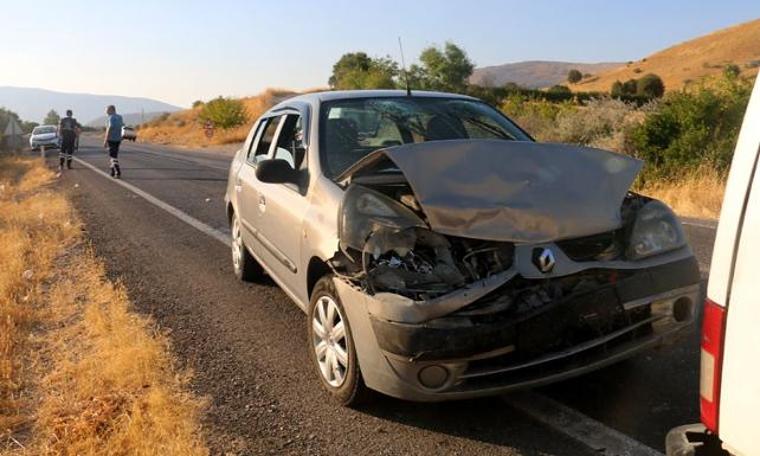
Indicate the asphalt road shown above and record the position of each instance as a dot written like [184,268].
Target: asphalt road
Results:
[246,344]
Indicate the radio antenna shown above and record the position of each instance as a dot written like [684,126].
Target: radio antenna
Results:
[403,68]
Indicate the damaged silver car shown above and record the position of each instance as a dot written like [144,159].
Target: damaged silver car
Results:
[440,253]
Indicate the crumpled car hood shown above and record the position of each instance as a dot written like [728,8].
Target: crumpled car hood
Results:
[510,191]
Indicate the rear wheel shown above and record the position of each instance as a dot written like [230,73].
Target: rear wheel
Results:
[246,267]
[332,348]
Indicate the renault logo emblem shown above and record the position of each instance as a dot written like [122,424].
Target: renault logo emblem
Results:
[544,259]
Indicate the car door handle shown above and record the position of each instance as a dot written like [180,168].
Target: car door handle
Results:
[262,203]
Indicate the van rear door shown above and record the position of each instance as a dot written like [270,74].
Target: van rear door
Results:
[734,276]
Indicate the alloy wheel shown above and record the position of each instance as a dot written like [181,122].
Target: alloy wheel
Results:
[330,341]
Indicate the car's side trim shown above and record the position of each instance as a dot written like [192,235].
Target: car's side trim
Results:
[277,253]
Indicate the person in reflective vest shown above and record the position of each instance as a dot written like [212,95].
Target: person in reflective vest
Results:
[68,131]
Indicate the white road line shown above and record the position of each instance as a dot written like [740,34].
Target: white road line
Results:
[190,220]
[595,435]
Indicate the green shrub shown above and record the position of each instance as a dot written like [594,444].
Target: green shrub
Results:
[224,113]
[560,89]
[693,127]
[617,89]
[650,85]
[197,103]
[630,87]
[732,71]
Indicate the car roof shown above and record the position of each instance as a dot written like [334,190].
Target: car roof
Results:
[316,98]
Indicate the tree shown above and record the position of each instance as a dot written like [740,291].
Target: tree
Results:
[197,103]
[617,89]
[224,112]
[651,86]
[52,118]
[574,76]
[447,69]
[28,126]
[356,70]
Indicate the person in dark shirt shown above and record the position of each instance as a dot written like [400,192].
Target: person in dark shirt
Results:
[68,130]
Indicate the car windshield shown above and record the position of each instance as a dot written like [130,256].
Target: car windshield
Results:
[352,128]
[44,130]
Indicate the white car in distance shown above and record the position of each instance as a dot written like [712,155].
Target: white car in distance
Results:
[45,136]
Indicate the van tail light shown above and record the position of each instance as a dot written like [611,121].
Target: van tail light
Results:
[713,331]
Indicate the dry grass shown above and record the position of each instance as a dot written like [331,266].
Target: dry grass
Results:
[34,225]
[690,61]
[698,194]
[79,373]
[183,128]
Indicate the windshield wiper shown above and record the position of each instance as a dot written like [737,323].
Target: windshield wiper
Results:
[489,128]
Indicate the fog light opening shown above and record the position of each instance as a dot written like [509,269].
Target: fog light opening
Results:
[433,377]
[683,310]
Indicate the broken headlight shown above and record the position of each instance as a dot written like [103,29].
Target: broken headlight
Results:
[656,230]
[365,211]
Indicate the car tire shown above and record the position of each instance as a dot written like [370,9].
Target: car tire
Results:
[244,264]
[331,346]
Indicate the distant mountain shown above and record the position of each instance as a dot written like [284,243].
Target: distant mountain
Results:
[33,104]
[132,118]
[534,74]
[690,61]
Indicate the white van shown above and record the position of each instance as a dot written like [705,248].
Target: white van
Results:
[730,354]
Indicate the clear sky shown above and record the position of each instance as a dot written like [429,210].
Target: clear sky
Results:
[180,51]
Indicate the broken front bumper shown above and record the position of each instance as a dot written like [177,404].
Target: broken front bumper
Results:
[450,357]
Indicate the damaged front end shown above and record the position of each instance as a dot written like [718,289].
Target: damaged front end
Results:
[539,292]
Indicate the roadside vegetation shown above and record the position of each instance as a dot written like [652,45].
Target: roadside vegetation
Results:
[80,373]
[686,137]
[232,119]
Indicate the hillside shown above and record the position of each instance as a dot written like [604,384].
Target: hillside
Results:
[534,74]
[33,104]
[184,128]
[691,60]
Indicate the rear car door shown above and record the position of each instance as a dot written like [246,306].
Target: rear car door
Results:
[283,206]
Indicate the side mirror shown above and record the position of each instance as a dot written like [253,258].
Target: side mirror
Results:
[276,171]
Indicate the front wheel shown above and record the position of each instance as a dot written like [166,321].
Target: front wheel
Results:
[332,349]
[245,266]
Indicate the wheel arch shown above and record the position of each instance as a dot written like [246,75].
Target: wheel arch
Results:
[230,210]
[316,269]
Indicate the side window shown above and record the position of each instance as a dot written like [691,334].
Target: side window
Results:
[265,140]
[253,138]
[290,145]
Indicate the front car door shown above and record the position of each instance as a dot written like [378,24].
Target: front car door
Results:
[249,188]
[283,206]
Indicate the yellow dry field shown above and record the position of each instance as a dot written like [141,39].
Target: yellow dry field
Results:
[690,61]
[699,194]
[80,373]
